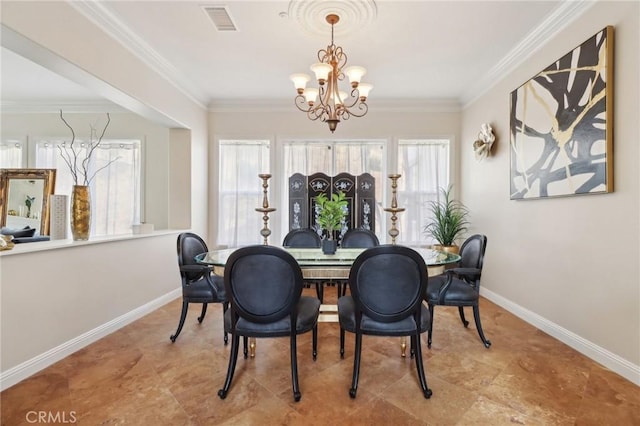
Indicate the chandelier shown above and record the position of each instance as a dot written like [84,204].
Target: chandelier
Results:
[328,102]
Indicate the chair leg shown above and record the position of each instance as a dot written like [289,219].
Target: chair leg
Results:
[245,351]
[314,333]
[225,306]
[356,366]
[233,358]
[415,342]
[476,316]
[203,313]
[294,368]
[462,318]
[341,342]
[320,290]
[183,315]
[430,325]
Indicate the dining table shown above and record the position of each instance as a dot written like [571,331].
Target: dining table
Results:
[316,265]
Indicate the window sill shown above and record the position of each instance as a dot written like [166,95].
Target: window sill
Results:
[61,244]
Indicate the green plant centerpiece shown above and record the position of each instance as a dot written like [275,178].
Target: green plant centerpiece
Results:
[331,213]
[449,221]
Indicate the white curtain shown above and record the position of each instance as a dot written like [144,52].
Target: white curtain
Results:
[240,191]
[115,189]
[12,154]
[424,166]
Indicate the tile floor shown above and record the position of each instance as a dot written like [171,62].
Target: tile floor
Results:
[136,376]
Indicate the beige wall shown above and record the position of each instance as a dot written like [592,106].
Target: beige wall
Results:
[569,262]
[93,288]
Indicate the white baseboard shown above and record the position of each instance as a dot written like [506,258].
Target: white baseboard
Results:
[602,356]
[22,371]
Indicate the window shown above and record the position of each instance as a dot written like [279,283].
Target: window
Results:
[240,191]
[333,157]
[115,190]
[12,154]
[424,166]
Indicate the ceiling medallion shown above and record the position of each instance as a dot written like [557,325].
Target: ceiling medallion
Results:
[354,15]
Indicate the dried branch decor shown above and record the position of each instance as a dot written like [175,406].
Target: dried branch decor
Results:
[77,156]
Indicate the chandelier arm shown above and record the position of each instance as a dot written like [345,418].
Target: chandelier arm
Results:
[302,104]
[316,113]
[359,111]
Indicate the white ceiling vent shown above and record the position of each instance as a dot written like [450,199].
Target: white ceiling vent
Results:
[220,17]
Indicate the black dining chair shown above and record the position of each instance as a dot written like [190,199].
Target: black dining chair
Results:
[199,283]
[306,238]
[264,285]
[356,238]
[460,286]
[387,284]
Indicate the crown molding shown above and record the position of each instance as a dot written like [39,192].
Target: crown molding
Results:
[556,21]
[111,24]
[379,105]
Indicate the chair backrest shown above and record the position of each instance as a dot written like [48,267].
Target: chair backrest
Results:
[359,238]
[190,245]
[302,238]
[263,283]
[472,251]
[388,282]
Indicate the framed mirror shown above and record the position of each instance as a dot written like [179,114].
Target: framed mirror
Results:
[24,198]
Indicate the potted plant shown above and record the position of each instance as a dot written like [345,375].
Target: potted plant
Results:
[449,221]
[330,215]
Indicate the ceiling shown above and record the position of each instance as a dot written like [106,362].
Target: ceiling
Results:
[413,50]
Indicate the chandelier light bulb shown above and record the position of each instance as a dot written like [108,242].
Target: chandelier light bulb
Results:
[310,95]
[322,71]
[355,73]
[300,81]
[363,90]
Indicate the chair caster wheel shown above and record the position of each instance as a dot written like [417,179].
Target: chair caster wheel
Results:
[315,355]
[200,320]
[297,396]
[352,393]
[487,344]
[226,340]
[428,393]
[173,338]
[341,353]
[222,394]
[466,324]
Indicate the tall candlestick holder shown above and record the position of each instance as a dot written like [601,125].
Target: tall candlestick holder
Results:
[393,232]
[265,232]
[265,209]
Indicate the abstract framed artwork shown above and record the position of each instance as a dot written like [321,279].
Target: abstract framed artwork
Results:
[561,125]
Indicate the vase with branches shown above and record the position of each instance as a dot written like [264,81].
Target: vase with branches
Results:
[77,156]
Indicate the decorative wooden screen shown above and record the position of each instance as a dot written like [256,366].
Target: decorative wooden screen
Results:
[359,192]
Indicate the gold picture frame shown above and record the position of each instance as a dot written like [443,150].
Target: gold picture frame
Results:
[16,185]
[561,125]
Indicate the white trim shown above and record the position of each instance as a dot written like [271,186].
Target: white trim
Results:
[623,367]
[20,372]
[110,23]
[560,18]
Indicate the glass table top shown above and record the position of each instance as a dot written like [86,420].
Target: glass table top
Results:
[313,257]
